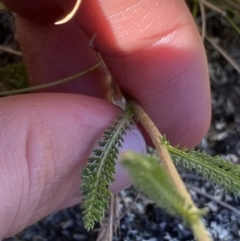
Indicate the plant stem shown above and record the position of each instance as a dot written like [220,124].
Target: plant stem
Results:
[200,231]
[51,84]
[164,156]
[166,161]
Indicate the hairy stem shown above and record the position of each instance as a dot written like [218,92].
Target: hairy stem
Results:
[167,163]
[200,231]
[164,156]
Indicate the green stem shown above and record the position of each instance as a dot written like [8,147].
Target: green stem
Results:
[164,156]
[234,25]
[200,231]
[166,161]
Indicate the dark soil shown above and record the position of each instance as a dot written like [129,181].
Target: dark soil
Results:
[145,221]
[8,38]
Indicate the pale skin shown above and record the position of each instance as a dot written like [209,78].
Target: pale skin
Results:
[155,53]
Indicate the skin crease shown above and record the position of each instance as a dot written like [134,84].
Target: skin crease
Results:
[46,137]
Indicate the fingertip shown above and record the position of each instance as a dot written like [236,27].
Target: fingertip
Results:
[158,60]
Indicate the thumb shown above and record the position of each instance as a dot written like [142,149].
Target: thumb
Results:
[45,141]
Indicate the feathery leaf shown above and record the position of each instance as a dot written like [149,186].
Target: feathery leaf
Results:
[99,171]
[151,178]
[215,168]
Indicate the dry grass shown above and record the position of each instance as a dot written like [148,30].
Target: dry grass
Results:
[228,10]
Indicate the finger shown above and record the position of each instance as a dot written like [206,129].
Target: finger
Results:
[54,52]
[154,51]
[43,150]
[157,59]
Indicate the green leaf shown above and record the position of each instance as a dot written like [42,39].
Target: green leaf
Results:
[97,175]
[151,178]
[215,168]
[13,77]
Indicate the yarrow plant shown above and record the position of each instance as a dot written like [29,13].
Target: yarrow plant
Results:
[156,176]
[97,175]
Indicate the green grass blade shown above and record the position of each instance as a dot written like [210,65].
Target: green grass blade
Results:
[233,24]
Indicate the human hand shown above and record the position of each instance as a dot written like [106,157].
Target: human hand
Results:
[155,54]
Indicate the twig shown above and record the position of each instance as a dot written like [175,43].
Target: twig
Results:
[10,50]
[223,204]
[106,230]
[204,21]
[213,7]
[124,213]
[51,84]
[223,53]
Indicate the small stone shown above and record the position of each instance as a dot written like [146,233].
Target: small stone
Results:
[67,224]
[80,237]
[220,125]
[38,238]
[220,136]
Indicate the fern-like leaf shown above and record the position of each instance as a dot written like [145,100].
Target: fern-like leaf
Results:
[151,178]
[99,171]
[215,168]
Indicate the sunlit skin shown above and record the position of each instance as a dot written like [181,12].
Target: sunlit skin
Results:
[155,53]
